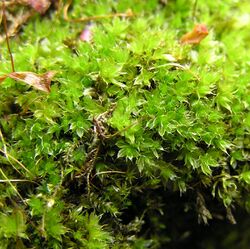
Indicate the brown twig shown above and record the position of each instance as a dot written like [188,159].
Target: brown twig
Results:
[89,165]
[7,37]
[128,13]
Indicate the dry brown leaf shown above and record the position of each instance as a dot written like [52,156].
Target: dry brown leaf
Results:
[38,81]
[2,78]
[198,33]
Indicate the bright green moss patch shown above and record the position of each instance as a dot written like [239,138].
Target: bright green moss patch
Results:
[140,137]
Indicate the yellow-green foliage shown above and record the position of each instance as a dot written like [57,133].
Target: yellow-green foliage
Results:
[133,120]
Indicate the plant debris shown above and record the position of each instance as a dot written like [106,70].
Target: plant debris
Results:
[198,33]
[128,13]
[41,82]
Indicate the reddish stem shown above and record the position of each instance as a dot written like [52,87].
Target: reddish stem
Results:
[7,37]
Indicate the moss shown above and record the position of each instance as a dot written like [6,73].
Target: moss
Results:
[133,120]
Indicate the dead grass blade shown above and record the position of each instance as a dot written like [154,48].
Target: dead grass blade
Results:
[128,13]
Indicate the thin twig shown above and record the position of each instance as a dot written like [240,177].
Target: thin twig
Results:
[15,189]
[109,172]
[17,180]
[3,141]
[7,37]
[89,164]
[4,151]
[128,13]
[1,16]
[8,156]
